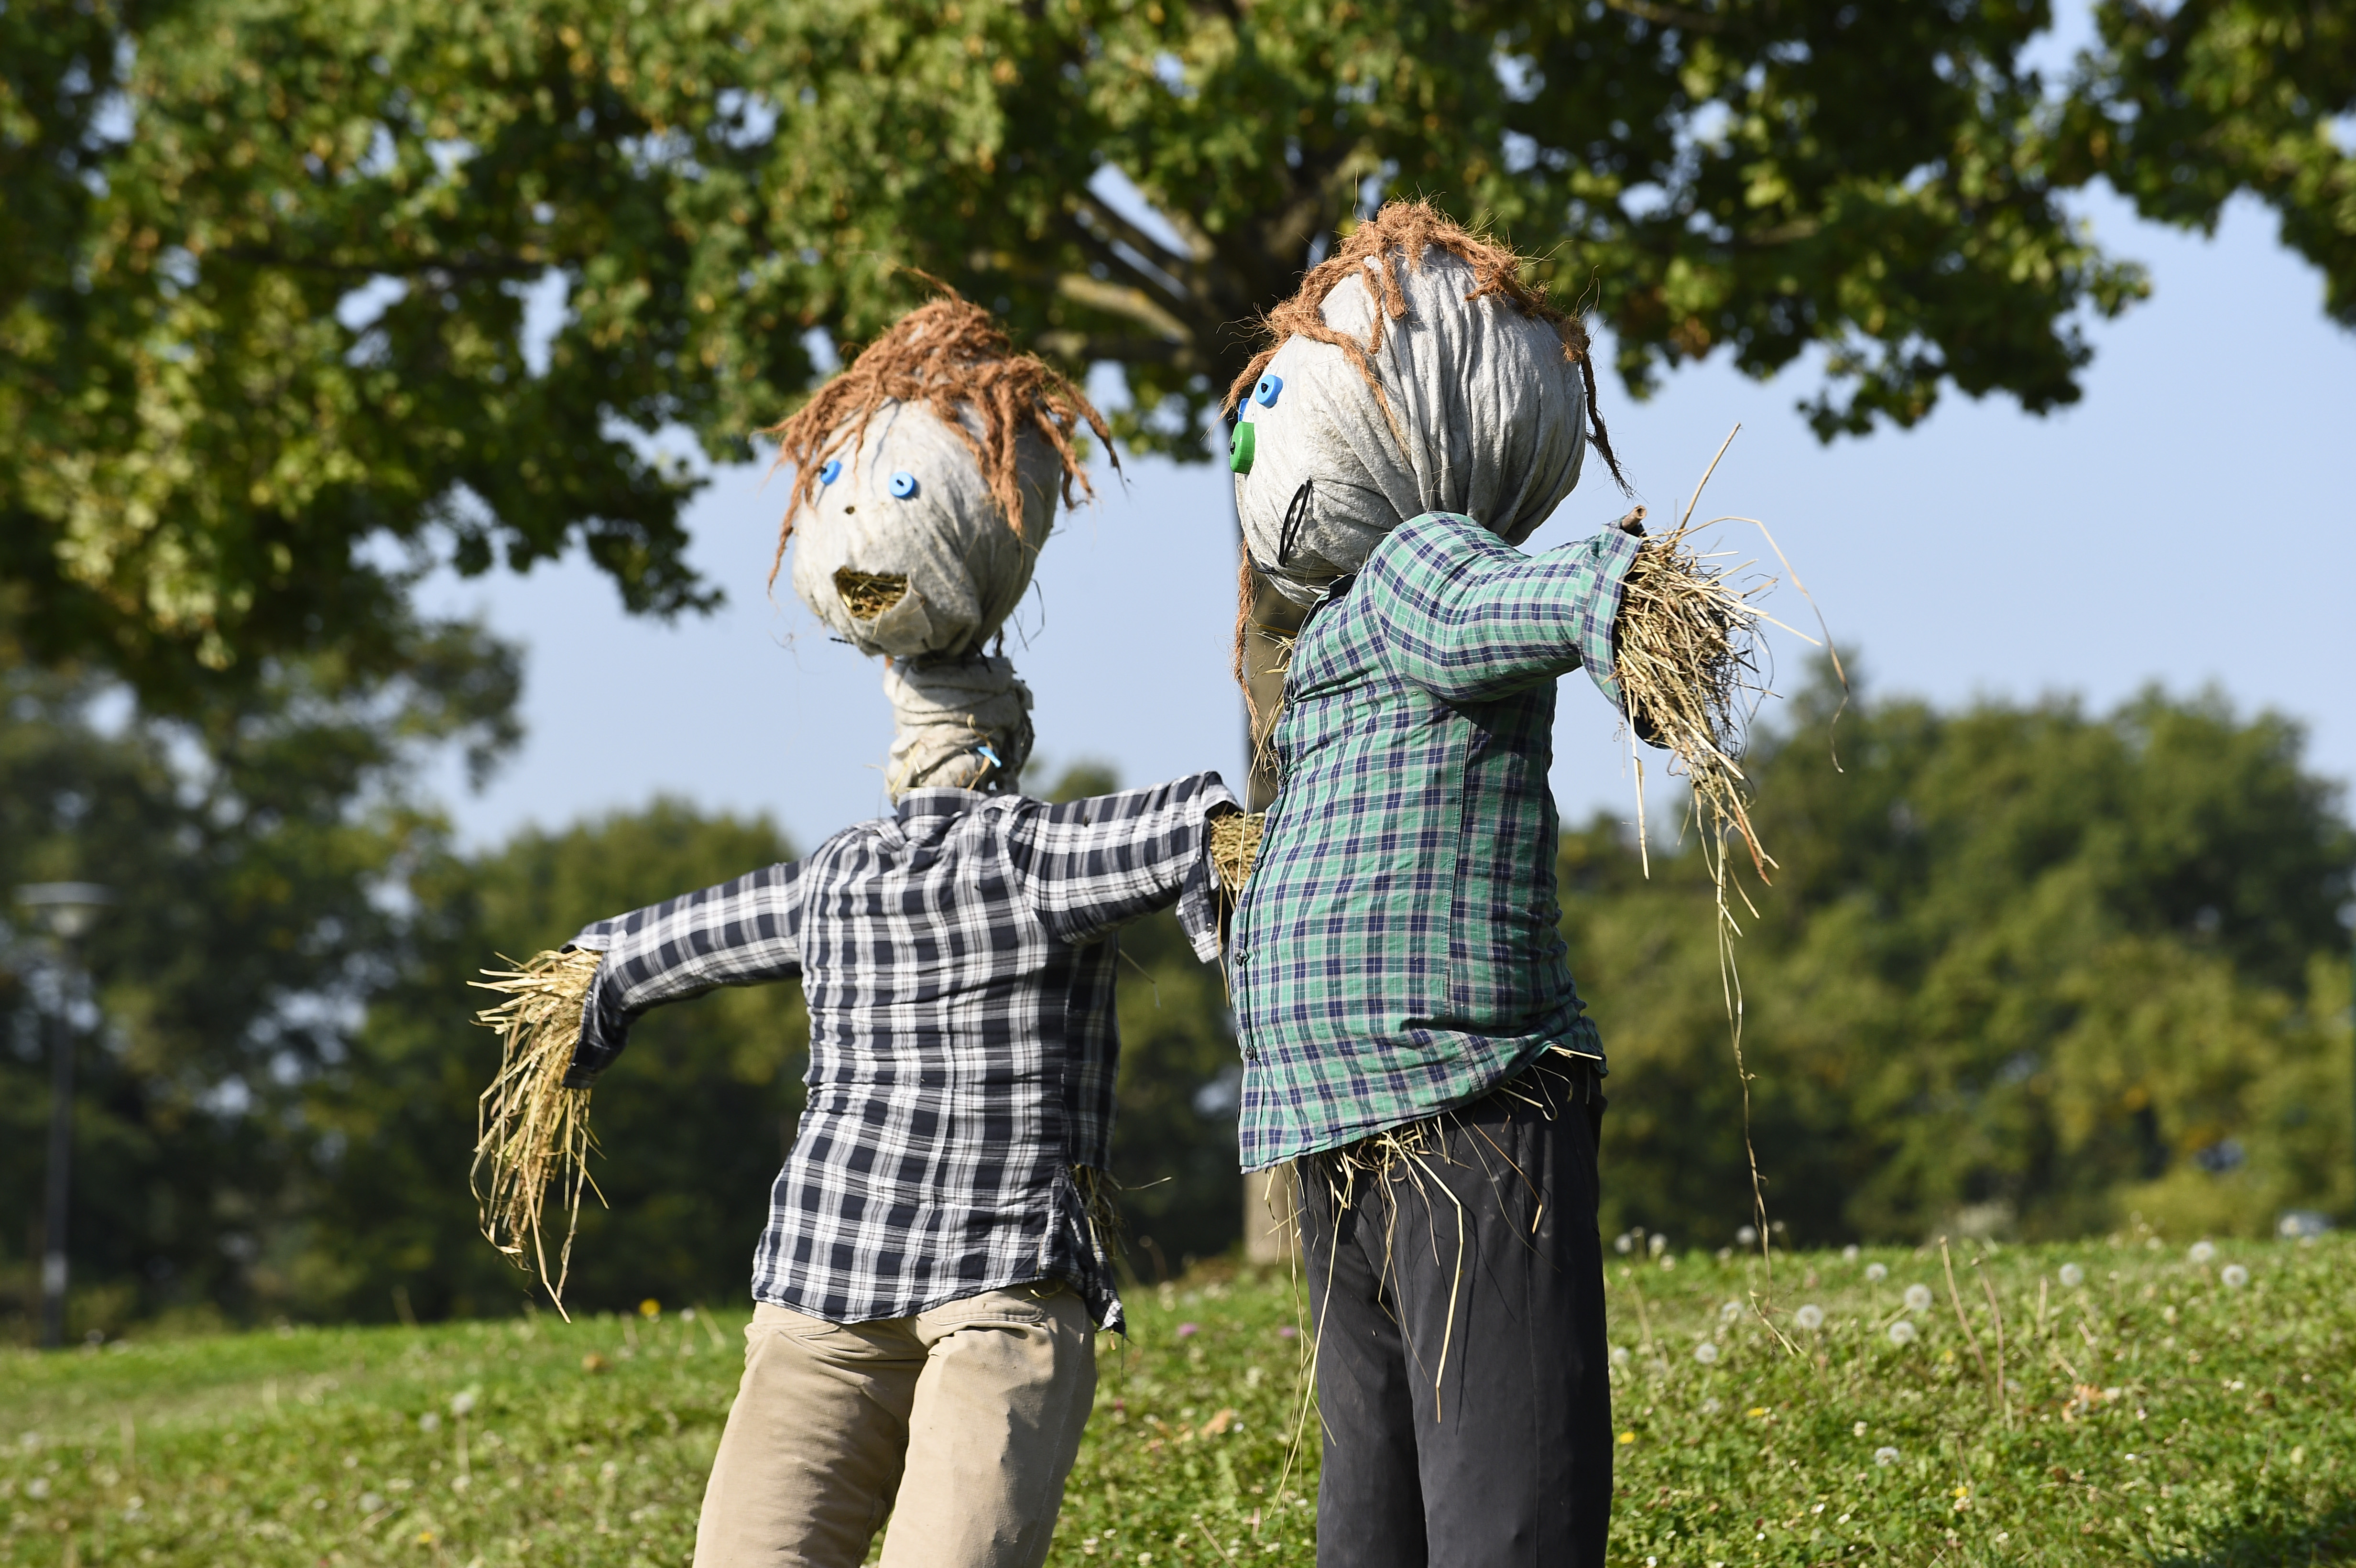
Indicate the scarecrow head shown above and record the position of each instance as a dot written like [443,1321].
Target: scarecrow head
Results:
[926,476]
[1413,372]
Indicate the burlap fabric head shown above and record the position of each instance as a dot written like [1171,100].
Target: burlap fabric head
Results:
[1487,417]
[966,566]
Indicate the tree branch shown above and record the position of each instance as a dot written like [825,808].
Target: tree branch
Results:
[1124,299]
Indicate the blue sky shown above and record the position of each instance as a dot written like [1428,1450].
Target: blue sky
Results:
[1987,552]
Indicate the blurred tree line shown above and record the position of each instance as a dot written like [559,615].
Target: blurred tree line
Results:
[2024,970]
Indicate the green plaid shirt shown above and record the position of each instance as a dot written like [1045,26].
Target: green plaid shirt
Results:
[1395,951]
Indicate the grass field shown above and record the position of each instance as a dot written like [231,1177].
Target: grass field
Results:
[2155,1406]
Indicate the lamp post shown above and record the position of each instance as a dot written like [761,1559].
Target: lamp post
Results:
[66,911]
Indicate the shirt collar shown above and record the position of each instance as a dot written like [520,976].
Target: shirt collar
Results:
[938,802]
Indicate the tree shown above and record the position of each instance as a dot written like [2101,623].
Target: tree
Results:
[256,850]
[2022,967]
[260,300]
[2182,107]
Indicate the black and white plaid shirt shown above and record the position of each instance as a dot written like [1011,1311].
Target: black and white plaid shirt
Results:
[957,961]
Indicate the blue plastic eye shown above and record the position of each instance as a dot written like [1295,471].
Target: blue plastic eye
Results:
[1265,394]
[830,471]
[904,484]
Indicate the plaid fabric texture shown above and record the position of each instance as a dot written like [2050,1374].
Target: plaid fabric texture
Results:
[957,961]
[1394,952]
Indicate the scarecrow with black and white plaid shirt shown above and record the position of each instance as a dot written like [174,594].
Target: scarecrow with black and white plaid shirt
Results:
[932,1273]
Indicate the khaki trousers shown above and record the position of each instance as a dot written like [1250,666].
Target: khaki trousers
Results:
[961,1422]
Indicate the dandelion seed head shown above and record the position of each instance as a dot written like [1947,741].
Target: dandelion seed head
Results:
[1918,1298]
[1711,1406]
[1748,1236]
[1729,1312]
[2073,1277]
[2202,1252]
[2234,1276]
[1810,1317]
[1902,1332]
[463,1402]
[1706,1353]
[1620,1357]
[1849,1253]
[1877,1273]
[1885,1455]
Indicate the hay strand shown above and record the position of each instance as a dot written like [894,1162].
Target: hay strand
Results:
[531,1130]
[1689,667]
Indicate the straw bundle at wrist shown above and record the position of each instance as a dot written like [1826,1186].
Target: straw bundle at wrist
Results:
[531,1130]
[1688,672]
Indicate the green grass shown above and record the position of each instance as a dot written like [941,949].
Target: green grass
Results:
[2152,1414]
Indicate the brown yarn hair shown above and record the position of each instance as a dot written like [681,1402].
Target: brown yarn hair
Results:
[1403,232]
[947,355]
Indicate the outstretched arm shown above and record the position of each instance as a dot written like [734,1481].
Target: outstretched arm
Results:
[742,933]
[1468,617]
[1089,867]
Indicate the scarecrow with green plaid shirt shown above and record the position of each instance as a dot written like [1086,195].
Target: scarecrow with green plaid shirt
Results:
[1414,1045]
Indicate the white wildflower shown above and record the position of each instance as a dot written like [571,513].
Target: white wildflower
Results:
[2073,1277]
[1810,1317]
[1918,1298]
[1885,1455]
[1706,1353]
[2234,1276]
[1729,1312]
[1849,1253]
[1877,1273]
[1902,1332]
[2202,1252]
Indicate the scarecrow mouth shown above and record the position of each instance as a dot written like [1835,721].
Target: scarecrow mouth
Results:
[867,594]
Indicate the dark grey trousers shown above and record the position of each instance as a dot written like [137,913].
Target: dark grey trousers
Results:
[1461,1375]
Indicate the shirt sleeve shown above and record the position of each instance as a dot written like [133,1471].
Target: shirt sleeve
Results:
[1089,867]
[742,933]
[1468,617]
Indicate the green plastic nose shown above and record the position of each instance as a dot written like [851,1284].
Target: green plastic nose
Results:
[1240,452]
